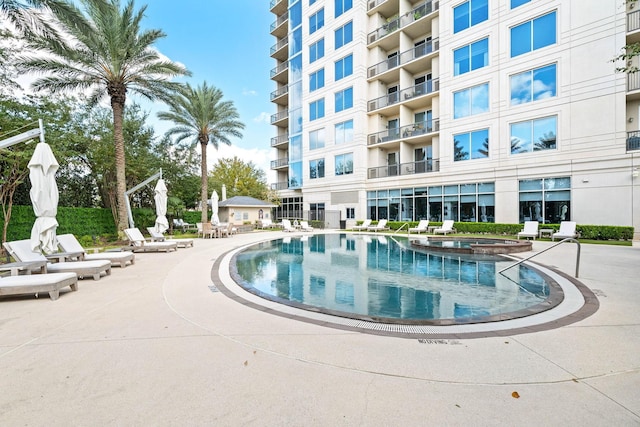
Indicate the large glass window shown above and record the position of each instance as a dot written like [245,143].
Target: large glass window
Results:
[546,200]
[471,57]
[344,164]
[316,50]
[316,21]
[341,6]
[316,139]
[534,34]
[470,13]
[344,67]
[533,85]
[316,109]
[471,145]
[516,3]
[534,135]
[295,15]
[344,132]
[316,80]
[316,168]
[344,99]
[343,35]
[295,41]
[474,100]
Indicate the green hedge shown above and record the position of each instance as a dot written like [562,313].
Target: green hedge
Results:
[589,232]
[78,221]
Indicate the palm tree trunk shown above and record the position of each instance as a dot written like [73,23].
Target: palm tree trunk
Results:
[121,219]
[204,194]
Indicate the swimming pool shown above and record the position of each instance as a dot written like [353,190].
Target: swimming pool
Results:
[384,279]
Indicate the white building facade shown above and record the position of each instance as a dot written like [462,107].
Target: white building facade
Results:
[480,110]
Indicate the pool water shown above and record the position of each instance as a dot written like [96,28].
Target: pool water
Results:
[382,278]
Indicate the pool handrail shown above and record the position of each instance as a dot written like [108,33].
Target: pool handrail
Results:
[568,239]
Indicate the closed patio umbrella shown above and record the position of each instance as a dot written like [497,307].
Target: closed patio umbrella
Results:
[44,197]
[162,224]
[215,220]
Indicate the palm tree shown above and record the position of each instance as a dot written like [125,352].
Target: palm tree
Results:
[201,114]
[27,15]
[104,52]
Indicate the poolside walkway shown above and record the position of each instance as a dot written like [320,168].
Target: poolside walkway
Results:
[155,344]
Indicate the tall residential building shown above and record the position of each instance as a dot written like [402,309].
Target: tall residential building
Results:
[479,110]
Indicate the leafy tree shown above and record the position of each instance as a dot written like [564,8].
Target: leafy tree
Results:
[240,178]
[545,142]
[458,151]
[103,50]
[201,115]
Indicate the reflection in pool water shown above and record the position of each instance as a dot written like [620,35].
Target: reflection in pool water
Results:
[382,278]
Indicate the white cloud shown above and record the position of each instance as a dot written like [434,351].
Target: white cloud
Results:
[249,92]
[263,118]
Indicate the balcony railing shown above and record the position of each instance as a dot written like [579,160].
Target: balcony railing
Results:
[633,140]
[406,56]
[279,21]
[412,168]
[404,132]
[279,45]
[280,68]
[402,21]
[280,139]
[274,2]
[280,185]
[633,81]
[279,92]
[275,164]
[374,3]
[420,89]
[279,116]
[633,21]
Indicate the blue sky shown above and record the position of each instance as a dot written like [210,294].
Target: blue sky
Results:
[225,43]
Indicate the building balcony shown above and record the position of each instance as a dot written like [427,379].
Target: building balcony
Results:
[411,168]
[279,27]
[280,119]
[280,140]
[405,57]
[633,140]
[278,6]
[405,95]
[279,96]
[280,163]
[407,132]
[399,22]
[280,50]
[633,82]
[279,185]
[280,73]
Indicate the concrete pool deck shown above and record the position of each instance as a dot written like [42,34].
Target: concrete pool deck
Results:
[153,345]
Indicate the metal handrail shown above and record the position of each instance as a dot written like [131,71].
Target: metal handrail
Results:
[568,239]
[401,227]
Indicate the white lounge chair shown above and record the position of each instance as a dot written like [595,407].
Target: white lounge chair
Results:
[567,230]
[304,226]
[530,230]
[140,244]
[286,226]
[68,243]
[380,226]
[264,224]
[365,224]
[36,283]
[20,250]
[159,237]
[423,227]
[447,227]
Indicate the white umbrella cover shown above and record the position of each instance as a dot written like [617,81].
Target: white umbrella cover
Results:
[162,224]
[44,197]
[215,220]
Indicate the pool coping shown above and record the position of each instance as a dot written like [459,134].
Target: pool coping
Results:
[577,304]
